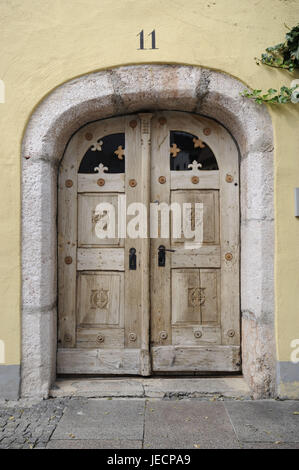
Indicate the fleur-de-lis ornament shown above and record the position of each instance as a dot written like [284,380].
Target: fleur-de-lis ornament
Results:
[97,146]
[195,166]
[120,152]
[101,168]
[198,143]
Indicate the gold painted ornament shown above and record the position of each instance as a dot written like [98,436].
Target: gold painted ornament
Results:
[174,150]
[198,143]
[120,152]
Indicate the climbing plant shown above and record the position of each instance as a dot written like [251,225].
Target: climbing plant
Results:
[283,56]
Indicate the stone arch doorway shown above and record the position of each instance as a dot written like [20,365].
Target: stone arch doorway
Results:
[127,90]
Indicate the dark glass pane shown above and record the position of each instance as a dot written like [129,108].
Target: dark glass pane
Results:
[103,151]
[185,148]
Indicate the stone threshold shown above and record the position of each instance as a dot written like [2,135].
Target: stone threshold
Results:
[157,387]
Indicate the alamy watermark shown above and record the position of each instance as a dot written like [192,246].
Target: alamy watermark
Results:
[162,221]
[295,353]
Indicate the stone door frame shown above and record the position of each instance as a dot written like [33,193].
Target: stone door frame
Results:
[126,90]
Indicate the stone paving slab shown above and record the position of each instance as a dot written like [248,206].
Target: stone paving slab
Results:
[101,419]
[93,444]
[265,421]
[187,424]
[128,423]
[131,444]
[268,445]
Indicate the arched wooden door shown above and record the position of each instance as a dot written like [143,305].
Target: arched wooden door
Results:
[141,299]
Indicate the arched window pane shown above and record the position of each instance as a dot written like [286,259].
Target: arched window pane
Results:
[185,148]
[108,150]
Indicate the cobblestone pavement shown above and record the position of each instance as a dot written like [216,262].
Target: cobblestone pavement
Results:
[28,425]
[130,423]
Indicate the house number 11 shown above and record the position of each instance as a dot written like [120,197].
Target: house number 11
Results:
[141,40]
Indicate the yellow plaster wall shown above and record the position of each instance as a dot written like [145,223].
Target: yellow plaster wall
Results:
[47,42]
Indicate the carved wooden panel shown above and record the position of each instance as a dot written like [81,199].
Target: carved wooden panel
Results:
[100,299]
[195,296]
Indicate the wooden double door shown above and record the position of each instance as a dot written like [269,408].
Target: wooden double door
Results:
[137,294]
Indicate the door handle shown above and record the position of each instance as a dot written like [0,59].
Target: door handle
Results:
[132,258]
[161,255]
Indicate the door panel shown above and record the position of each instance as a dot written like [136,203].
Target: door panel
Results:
[91,183]
[195,358]
[107,258]
[98,361]
[160,318]
[90,219]
[180,317]
[102,301]
[195,296]
[210,201]
[195,300]
[203,335]
[205,257]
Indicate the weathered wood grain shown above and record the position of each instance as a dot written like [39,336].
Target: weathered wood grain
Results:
[105,259]
[196,358]
[98,361]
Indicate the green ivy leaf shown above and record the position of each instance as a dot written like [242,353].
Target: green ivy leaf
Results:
[284,55]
